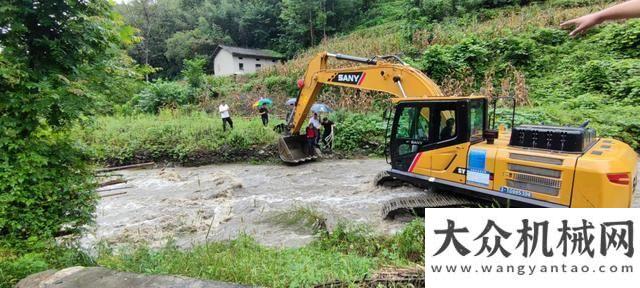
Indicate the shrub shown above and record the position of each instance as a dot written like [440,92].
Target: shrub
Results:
[550,36]
[623,39]
[359,133]
[193,71]
[438,62]
[409,243]
[47,188]
[439,9]
[162,94]
[617,78]
[40,256]
[512,49]
[45,184]
[220,86]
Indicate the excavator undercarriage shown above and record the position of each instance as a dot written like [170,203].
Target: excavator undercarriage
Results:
[426,198]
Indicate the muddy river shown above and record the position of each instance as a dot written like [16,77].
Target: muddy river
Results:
[219,202]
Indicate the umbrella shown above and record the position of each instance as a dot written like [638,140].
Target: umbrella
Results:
[262,101]
[321,108]
[291,101]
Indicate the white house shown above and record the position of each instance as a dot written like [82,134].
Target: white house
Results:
[229,60]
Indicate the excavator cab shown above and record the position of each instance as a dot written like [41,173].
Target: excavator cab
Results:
[431,137]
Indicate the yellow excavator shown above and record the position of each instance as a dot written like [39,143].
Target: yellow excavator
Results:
[445,144]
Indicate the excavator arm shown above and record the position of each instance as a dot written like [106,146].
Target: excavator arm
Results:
[383,75]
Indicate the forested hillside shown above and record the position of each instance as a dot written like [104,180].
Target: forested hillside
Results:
[483,47]
[174,30]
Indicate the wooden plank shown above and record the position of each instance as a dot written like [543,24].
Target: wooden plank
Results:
[117,188]
[112,194]
[112,182]
[108,169]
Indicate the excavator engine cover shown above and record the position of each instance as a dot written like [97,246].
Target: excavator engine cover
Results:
[565,139]
[292,149]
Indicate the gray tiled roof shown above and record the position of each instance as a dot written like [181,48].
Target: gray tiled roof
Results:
[249,52]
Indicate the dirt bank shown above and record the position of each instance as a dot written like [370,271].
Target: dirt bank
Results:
[218,202]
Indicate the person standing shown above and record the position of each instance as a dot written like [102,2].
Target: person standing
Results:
[311,139]
[327,131]
[224,114]
[316,125]
[264,114]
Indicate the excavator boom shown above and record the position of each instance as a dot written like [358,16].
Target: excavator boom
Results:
[383,75]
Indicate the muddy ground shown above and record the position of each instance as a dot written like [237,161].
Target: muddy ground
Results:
[219,202]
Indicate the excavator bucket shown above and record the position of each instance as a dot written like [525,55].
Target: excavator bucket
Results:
[293,149]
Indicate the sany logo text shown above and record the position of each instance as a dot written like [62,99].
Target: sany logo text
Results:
[350,78]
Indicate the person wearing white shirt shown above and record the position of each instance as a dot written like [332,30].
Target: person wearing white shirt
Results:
[315,121]
[224,114]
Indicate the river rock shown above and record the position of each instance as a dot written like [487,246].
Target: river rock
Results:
[90,277]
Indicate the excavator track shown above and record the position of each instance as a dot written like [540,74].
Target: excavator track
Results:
[428,199]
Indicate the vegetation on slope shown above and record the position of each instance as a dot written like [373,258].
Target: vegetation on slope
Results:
[349,253]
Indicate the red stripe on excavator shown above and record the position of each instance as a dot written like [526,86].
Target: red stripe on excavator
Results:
[415,161]
[362,78]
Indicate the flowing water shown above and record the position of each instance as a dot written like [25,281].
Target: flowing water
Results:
[219,202]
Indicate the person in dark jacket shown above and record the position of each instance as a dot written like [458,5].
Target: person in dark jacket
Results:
[311,139]
[327,128]
[264,114]
[448,131]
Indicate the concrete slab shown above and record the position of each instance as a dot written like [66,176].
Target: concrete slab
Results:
[90,277]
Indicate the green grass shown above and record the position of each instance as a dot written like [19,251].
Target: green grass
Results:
[173,135]
[300,218]
[196,138]
[349,253]
[246,262]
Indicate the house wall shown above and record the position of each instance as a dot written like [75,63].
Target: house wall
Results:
[250,63]
[227,64]
[224,64]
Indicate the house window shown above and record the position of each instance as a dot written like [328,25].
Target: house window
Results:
[258,66]
[274,60]
[240,58]
[241,67]
[257,59]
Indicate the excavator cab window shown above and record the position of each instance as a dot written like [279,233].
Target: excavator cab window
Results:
[412,129]
[477,119]
[422,126]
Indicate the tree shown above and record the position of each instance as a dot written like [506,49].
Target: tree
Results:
[199,42]
[157,21]
[306,22]
[52,51]
[304,17]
